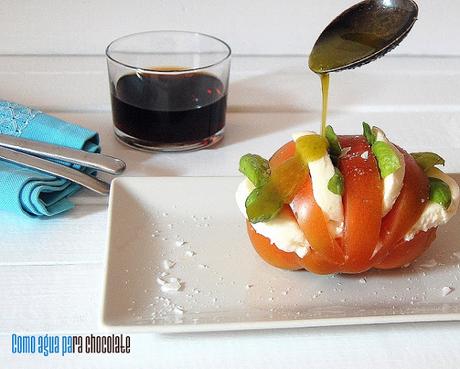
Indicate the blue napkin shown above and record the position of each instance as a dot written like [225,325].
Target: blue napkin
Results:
[30,192]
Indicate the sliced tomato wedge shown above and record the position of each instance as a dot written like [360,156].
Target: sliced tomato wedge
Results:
[406,210]
[313,261]
[313,223]
[316,263]
[309,215]
[365,231]
[282,154]
[362,201]
[405,252]
[270,253]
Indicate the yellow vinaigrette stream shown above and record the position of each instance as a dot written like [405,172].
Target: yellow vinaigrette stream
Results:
[325,93]
[284,180]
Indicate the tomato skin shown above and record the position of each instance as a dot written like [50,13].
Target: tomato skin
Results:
[313,261]
[282,154]
[364,228]
[308,214]
[314,225]
[406,210]
[362,202]
[270,253]
[405,252]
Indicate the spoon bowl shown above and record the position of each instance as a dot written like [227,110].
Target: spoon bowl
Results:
[361,34]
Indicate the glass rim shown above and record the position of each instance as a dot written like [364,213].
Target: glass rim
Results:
[178,71]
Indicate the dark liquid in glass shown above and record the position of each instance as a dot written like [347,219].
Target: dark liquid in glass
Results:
[169,108]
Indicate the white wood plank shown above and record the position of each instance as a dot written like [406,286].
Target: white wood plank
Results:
[46,298]
[64,300]
[47,292]
[54,284]
[263,133]
[422,345]
[79,236]
[258,84]
[257,27]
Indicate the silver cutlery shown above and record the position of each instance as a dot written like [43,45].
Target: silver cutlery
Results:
[34,155]
[102,162]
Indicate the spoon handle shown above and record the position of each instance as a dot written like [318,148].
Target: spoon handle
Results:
[30,161]
[104,163]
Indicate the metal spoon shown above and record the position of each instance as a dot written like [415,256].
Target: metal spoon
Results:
[361,34]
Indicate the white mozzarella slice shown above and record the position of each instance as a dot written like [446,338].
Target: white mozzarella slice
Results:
[282,231]
[393,182]
[434,214]
[321,171]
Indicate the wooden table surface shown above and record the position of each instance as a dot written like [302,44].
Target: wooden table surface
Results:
[51,269]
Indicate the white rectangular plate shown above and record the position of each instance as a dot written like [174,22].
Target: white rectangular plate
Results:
[193,224]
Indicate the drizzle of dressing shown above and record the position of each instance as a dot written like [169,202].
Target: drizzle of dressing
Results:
[325,92]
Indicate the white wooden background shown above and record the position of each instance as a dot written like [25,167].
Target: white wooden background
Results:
[262,27]
[51,57]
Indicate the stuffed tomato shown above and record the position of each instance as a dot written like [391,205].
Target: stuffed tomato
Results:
[344,204]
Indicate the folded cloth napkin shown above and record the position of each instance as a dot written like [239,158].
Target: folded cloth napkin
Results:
[30,192]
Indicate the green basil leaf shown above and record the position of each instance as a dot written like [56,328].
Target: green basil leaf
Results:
[440,192]
[263,204]
[334,145]
[367,132]
[336,183]
[387,159]
[256,168]
[427,160]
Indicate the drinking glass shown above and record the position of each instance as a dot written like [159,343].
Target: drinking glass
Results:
[168,89]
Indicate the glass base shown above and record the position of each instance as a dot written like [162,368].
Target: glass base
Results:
[171,147]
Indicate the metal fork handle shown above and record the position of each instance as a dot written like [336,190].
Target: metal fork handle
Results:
[30,161]
[104,163]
